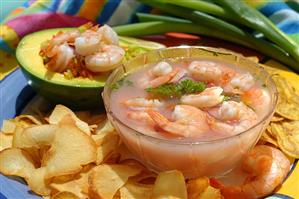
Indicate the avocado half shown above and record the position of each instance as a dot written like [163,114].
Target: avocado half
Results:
[77,93]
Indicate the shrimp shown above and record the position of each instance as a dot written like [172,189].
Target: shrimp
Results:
[257,98]
[61,57]
[141,116]
[163,79]
[208,98]
[205,71]
[61,38]
[109,36]
[267,168]
[88,43]
[140,103]
[232,117]
[160,74]
[108,58]
[239,84]
[189,121]
[179,76]
[162,68]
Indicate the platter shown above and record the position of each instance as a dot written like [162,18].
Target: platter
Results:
[16,94]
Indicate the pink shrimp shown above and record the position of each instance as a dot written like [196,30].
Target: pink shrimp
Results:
[163,79]
[205,71]
[257,98]
[140,103]
[239,83]
[231,117]
[61,38]
[141,116]
[61,57]
[208,98]
[267,168]
[160,74]
[189,121]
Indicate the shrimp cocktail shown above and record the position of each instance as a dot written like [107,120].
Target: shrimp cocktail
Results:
[192,109]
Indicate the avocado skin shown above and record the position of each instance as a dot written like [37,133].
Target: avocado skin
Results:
[76,98]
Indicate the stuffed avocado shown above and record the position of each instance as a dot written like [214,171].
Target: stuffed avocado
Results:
[78,92]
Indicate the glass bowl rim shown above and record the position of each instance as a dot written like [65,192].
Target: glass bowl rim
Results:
[188,142]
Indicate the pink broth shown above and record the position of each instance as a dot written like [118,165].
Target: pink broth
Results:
[133,86]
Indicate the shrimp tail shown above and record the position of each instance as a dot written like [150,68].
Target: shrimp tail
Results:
[158,118]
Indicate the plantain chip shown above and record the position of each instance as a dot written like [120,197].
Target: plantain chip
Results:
[77,184]
[288,100]
[103,128]
[210,193]
[8,126]
[35,136]
[107,146]
[37,182]
[70,150]
[145,177]
[16,162]
[276,118]
[132,190]
[5,141]
[267,137]
[170,184]
[65,195]
[60,111]
[105,180]
[287,134]
[90,118]
[27,120]
[196,187]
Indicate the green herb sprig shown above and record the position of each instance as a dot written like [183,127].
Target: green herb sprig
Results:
[226,98]
[177,90]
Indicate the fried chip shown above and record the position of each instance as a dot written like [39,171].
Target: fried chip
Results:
[287,134]
[90,118]
[104,128]
[35,136]
[78,184]
[105,180]
[5,141]
[19,140]
[210,193]
[27,120]
[170,184]
[133,190]
[60,111]
[288,100]
[107,146]
[276,118]
[17,137]
[145,177]
[196,187]
[65,195]
[37,183]
[267,137]
[16,162]
[8,127]
[70,150]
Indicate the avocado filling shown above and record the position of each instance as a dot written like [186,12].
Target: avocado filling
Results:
[84,52]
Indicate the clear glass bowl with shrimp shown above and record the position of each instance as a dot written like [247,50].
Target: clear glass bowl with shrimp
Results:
[195,109]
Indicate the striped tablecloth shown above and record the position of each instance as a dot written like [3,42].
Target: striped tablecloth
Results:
[36,15]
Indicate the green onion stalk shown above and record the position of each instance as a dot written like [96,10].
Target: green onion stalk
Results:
[223,28]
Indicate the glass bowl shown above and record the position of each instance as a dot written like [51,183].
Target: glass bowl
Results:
[193,158]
